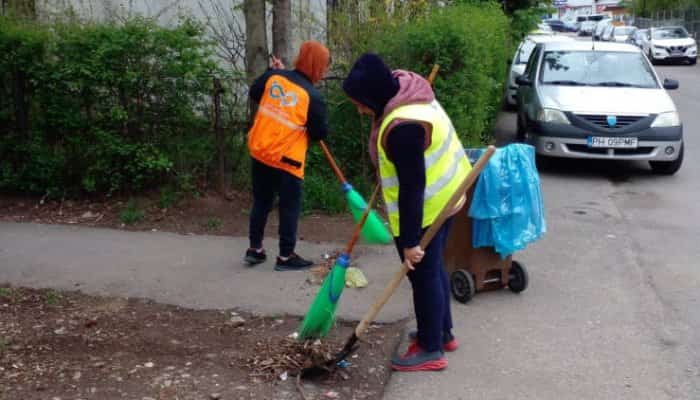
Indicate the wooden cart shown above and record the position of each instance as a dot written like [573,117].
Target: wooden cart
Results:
[474,270]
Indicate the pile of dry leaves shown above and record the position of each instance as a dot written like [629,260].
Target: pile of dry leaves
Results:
[277,359]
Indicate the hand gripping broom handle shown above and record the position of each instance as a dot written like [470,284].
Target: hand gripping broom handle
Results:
[425,240]
[329,156]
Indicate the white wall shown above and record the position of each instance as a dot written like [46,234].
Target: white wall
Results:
[308,16]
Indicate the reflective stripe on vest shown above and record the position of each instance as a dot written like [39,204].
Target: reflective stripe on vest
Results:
[278,136]
[446,164]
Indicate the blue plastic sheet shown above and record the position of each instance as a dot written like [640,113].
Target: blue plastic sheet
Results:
[507,207]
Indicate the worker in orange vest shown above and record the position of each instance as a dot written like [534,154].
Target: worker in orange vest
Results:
[290,112]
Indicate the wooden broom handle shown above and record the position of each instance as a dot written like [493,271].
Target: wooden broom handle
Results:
[331,161]
[433,73]
[425,240]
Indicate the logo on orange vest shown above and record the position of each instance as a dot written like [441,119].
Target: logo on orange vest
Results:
[286,99]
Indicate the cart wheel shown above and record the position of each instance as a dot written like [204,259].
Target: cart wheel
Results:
[518,279]
[462,284]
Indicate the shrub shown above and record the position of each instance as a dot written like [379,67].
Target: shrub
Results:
[523,21]
[123,107]
[113,107]
[470,43]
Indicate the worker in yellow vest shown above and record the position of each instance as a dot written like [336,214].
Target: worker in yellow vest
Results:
[290,112]
[421,163]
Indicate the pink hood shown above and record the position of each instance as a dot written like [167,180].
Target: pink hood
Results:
[413,89]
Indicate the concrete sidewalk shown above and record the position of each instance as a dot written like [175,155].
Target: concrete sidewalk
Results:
[586,328]
[190,271]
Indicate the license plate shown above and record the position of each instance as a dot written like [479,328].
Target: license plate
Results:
[612,142]
[677,54]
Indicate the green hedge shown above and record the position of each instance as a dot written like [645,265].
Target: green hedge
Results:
[105,108]
[470,42]
[123,107]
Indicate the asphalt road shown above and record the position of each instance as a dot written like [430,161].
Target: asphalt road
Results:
[612,309]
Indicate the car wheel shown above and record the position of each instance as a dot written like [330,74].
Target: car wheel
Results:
[693,61]
[667,167]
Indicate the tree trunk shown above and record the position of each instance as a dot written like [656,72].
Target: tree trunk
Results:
[220,139]
[282,30]
[331,6]
[256,38]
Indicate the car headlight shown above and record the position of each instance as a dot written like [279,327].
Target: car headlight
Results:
[553,116]
[666,119]
[693,47]
[659,47]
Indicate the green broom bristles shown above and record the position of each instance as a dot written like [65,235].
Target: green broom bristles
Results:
[321,315]
[374,231]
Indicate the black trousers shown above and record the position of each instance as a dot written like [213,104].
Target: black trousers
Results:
[431,292]
[269,182]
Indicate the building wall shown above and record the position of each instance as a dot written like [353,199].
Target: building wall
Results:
[308,16]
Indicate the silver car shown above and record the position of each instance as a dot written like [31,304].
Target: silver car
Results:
[671,43]
[600,28]
[621,34]
[598,101]
[522,54]
[587,28]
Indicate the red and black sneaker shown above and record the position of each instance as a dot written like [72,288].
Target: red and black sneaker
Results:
[449,343]
[416,359]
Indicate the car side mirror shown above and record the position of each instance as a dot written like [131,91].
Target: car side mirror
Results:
[523,80]
[670,84]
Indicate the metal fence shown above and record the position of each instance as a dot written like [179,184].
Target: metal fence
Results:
[687,17]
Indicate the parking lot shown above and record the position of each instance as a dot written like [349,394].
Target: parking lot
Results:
[612,311]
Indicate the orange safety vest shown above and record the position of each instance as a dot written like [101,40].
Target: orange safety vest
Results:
[278,136]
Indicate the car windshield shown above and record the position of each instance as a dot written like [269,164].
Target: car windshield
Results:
[623,30]
[597,68]
[670,33]
[525,51]
[641,34]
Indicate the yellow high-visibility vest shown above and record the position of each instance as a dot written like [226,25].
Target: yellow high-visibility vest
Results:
[446,164]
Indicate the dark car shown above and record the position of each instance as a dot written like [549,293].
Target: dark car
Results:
[557,25]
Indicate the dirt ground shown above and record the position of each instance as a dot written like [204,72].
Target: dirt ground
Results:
[209,213]
[66,345]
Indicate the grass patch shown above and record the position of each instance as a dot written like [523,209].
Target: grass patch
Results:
[214,224]
[131,214]
[13,295]
[52,297]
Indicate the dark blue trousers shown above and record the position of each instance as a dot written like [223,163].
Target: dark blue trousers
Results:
[269,182]
[431,293]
